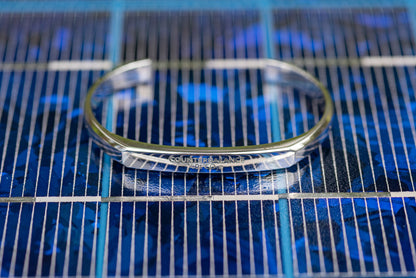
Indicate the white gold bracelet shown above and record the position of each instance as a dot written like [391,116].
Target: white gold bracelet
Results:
[279,78]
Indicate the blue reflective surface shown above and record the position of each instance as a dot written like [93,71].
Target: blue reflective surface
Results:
[45,152]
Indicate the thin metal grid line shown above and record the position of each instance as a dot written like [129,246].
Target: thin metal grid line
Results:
[237,231]
[276,231]
[242,81]
[88,33]
[398,242]
[126,112]
[3,89]
[172,234]
[288,214]
[297,52]
[388,258]
[111,124]
[116,25]
[346,50]
[295,133]
[305,127]
[338,105]
[323,76]
[349,104]
[335,84]
[12,104]
[81,241]
[231,87]
[218,77]
[48,80]
[198,233]
[230,80]
[367,73]
[55,133]
[133,232]
[254,97]
[159,235]
[379,79]
[347,255]
[124,104]
[197,108]
[105,172]
[28,77]
[75,44]
[321,72]
[162,48]
[211,238]
[22,115]
[359,89]
[400,252]
[353,207]
[224,236]
[185,234]
[253,73]
[133,238]
[96,247]
[404,88]
[153,43]
[380,84]
[216,27]
[320,251]
[196,77]
[15,243]
[241,84]
[133,248]
[252,77]
[266,270]
[184,38]
[207,41]
[35,107]
[145,241]
[63,165]
[250,231]
[305,232]
[174,54]
[39,267]
[392,87]
[268,110]
[103,259]
[153,46]
[395,48]
[289,258]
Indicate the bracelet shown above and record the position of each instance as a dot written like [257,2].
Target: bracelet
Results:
[131,84]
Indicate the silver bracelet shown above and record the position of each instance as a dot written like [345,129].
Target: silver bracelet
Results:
[278,78]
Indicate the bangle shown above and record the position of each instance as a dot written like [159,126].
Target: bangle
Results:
[279,81]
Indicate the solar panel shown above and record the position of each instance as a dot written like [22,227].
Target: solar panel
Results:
[67,209]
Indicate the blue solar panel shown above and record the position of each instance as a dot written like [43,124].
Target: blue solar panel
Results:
[347,209]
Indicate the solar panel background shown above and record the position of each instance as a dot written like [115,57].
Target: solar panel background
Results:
[350,207]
